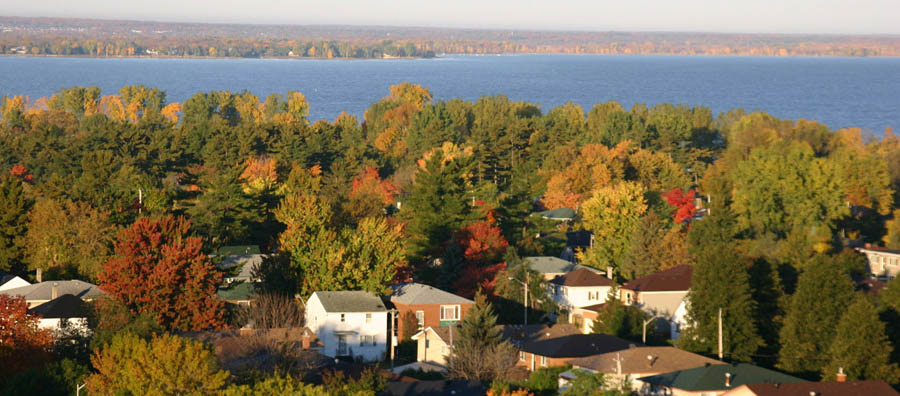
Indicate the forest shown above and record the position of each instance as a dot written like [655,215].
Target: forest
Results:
[112,187]
[108,38]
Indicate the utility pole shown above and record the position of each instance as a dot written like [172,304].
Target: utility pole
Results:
[78,388]
[646,322]
[526,298]
[720,333]
[140,200]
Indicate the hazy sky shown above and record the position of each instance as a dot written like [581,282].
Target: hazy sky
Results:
[768,16]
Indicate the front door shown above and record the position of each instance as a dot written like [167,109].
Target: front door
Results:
[342,345]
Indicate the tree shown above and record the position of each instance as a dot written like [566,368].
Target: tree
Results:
[480,353]
[13,219]
[683,204]
[892,237]
[813,313]
[160,270]
[276,385]
[223,213]
[613,214]
[654,246]
[620,320]
[23,345]
[166,365]
[860,346]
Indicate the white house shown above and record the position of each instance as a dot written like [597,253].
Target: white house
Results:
[882,263]
[580,288]
[40,293]
[349,324]
[64,313]
[662,294]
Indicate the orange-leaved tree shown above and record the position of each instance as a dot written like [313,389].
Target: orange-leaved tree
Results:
[157,269]
[22,344]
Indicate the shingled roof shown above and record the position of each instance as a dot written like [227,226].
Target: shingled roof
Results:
[712,377]
[850,388]
[44,290]
[644,360]
[551,265]
[562,341]
[63,307]
[673,279]
[582,277]
[416,293]
[350,301]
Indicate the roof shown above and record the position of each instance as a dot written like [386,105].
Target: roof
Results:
[247,262]
[712,377]
[562,341]
[673,279]
[350,301]
[594,308]
[635,360]
[850,388]
[237,291]
[551,265]
[417,293]
[63,307]
[44,290]
[9,281]
[558,214]
[442,332]
[435,388]
[582,277]
[877,249]
[237,250]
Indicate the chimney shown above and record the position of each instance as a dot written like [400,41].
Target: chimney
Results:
[841,377]
[39,274]
[609,272]
[304,341]
[54,291]
[728,380]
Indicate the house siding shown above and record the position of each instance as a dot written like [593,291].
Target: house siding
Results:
[434,352]
[326,325]
[577,297]
[432,315]
[534,359]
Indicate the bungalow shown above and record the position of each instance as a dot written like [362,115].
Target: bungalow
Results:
[711,380]
[40,293]
[662,294]
[633,363]
[882,263]
[548,346]
[831,388]
[551,267]
[349,324]
[420,306]
[580,288]
[65,312]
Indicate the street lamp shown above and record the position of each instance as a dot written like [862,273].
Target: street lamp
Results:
[646,322]
[525,285]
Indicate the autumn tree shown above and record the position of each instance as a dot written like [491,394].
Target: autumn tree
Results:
[160,270]
[892,237]
[369,195]
[23,345]
[654,245]
[612,214]
[14,207]
[683,204]
[165,364]
[860,346]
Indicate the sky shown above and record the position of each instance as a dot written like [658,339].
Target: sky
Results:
[750,16]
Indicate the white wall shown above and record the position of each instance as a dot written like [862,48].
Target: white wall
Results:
[53,324]
[326,324]
[578,297]
[14,283]
[678,321]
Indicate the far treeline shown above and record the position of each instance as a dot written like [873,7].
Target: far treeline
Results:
[102,38]
[445,192]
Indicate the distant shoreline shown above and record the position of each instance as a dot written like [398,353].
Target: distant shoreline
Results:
[442,56]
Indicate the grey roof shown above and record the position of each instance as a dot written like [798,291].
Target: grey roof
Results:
[552,265]
[63,307]
[350,301]
[247,262]
[43,290]
[417,293]
[558,214]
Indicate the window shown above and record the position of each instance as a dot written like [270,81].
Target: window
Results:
[420,319]
[522,356]
[627,298]
[343,318]
[367,340]
[544,361]
[368,318]
[427,343]
[449,312]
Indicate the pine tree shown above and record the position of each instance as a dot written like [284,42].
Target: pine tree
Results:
[823,291]
[860,346]
[13,219]
[720,281]
[620,320]
[479,351]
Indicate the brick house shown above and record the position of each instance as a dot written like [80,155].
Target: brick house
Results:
[421,306]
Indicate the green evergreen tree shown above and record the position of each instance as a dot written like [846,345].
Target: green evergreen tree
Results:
[14,207]
[479,351]
[620,320]
[860,346]
[823,291]
[720,281]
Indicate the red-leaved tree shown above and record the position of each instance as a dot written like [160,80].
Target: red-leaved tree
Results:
[22,344]
[683,204]
[475,277]
[161,271]
[482,242]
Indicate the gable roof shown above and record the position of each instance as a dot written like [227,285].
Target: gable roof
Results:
[44,290]
[63,307]
[635,360]
[247,263]
[350,301]
[10,281]
[582,277]
[831,388]
[552,265]
[562,341]
[442,332]
[712,377]
[417,293]
[673,279]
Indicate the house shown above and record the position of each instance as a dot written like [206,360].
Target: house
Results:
[351,324]
[551,267]
[64,312]
[561,214]
[433,344]
[40,293]
[662,294]
[424,306]
[556,345]
[882,263]
[634,363]
[240,262]
[584,317]
[9,281]
[832,388]
[711,380]
[579,288]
